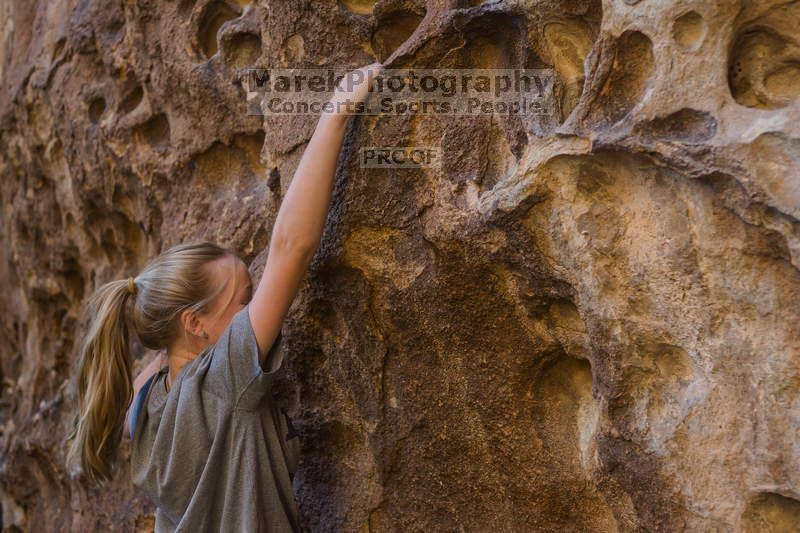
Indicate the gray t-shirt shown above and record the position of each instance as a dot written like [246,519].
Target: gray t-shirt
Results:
[215,453]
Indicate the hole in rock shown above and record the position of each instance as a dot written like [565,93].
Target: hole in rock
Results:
[216,14]
[567,414]
[487,51]
[564,314]
[689,30]
[686,125]
[96,108]
[241,159]
[115,29]
[394,28]
[242,50]
[337,435]
[784,83]
[764,63]
[630,71]
[499,160]
[494,41]
[274,181]
[769,511]
[359,7]
[73,278]
[155,131]
[58,49]
[564,388]
[313,359]
[132,100]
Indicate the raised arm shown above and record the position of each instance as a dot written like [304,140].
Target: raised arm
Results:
[301,217]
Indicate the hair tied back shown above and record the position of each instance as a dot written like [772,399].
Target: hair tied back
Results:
[131,286]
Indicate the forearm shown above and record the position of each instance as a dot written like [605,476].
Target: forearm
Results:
[301,217]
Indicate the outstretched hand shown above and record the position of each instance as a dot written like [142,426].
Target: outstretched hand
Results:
[354,88]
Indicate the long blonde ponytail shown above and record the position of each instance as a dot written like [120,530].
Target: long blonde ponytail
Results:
[105,385]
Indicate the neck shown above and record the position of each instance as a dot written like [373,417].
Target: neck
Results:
[176,360]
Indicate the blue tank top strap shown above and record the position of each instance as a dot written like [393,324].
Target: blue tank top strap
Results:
[139,402]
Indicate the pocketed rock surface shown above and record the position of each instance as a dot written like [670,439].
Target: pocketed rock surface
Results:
[586,321]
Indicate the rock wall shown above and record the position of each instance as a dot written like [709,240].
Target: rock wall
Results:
[584,322]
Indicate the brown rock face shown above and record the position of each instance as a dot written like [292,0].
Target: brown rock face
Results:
[581,322]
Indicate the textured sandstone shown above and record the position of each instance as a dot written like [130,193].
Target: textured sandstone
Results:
[584,322]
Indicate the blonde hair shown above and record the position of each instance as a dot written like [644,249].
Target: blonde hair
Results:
[176,280]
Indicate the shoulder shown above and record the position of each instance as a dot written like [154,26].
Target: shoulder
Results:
[142,396]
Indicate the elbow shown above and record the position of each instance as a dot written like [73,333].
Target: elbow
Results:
[295,246]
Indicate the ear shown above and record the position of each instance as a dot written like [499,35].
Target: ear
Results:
[191,322]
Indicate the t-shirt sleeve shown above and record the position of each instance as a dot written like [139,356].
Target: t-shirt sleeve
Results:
[234,361]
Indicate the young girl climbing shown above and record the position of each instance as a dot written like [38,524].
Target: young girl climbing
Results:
[208,445]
